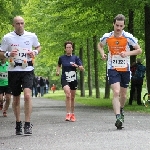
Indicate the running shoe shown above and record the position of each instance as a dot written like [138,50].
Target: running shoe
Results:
[72,118]
[18,128]
[118,123]
[122,116]
[1,106]
[28,129]
[4,114]
[68,117]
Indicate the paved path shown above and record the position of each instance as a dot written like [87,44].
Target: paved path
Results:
[93,130]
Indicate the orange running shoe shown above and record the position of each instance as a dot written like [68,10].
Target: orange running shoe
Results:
[72,118]
[4,114]
[68,117]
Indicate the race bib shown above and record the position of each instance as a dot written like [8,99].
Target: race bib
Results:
[3,75]
[21,54]
[119,62]
[70,76]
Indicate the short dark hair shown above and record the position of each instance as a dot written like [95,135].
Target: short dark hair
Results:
[119,17]
[68,42]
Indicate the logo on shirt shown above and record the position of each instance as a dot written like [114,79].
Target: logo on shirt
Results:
[14,44]
[27,43]
[117,42]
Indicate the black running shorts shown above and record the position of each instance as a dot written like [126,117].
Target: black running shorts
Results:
[72,85]
[5,89]
[18,80]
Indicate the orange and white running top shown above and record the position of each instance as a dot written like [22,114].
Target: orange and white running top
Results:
[116,45]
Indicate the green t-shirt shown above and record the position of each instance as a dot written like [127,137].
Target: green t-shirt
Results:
[4,74]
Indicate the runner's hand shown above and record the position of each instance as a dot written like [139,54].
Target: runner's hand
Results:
[123,54]
[13,53]
[31,54]
[73,64]
[104,57]
[57,73]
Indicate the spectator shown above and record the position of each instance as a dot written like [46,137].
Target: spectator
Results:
[42,86]
[38,87]
[47,85]
[53,88]
[138,74]
[34,87]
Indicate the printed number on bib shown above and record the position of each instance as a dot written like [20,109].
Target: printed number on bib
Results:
[21,54]
[3,75]
[119,62]
[71,76]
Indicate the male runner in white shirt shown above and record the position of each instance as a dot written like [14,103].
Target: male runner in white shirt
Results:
[17,46]
[118,63]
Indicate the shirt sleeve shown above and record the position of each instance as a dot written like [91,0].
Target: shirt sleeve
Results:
[35,41]
[4,45]
[131,39]
[78,61]
[104,38]
[59,62]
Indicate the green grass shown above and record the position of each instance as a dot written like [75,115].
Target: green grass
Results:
[99,102]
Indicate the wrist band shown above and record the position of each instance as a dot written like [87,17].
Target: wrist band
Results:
[7,54]
[36,52]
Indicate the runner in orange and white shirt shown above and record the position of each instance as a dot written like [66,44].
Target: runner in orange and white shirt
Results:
[118,63]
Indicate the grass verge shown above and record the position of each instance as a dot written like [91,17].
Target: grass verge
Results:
[98,102]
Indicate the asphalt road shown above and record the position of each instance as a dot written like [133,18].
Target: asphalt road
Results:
[93,130]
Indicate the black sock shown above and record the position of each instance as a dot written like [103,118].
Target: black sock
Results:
[18,123]
[121,110]
[27,123]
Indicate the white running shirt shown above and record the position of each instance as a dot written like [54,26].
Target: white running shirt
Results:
[24,42]
[116,45]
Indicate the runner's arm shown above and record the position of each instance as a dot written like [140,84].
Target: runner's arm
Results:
[137,50]
[2,55]
[58,70]
[38,48]
[101,50]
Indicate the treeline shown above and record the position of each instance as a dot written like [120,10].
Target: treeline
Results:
[83,22]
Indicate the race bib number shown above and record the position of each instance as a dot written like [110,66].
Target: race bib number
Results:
[21,54]
[3,75]
[119,62]
[70,76]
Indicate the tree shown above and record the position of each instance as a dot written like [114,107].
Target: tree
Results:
[147,43]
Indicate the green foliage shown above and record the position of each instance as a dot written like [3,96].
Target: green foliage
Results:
[55,21]
[92,101]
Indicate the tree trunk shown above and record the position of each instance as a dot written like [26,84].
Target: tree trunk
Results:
[73,52]
[130,29]
[82,87]
[89,69]
[96,67]
[147,43]
[107,86]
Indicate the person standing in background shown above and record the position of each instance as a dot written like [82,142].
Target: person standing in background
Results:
[42,84]
[138,73]
[34,87]
[47,85]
